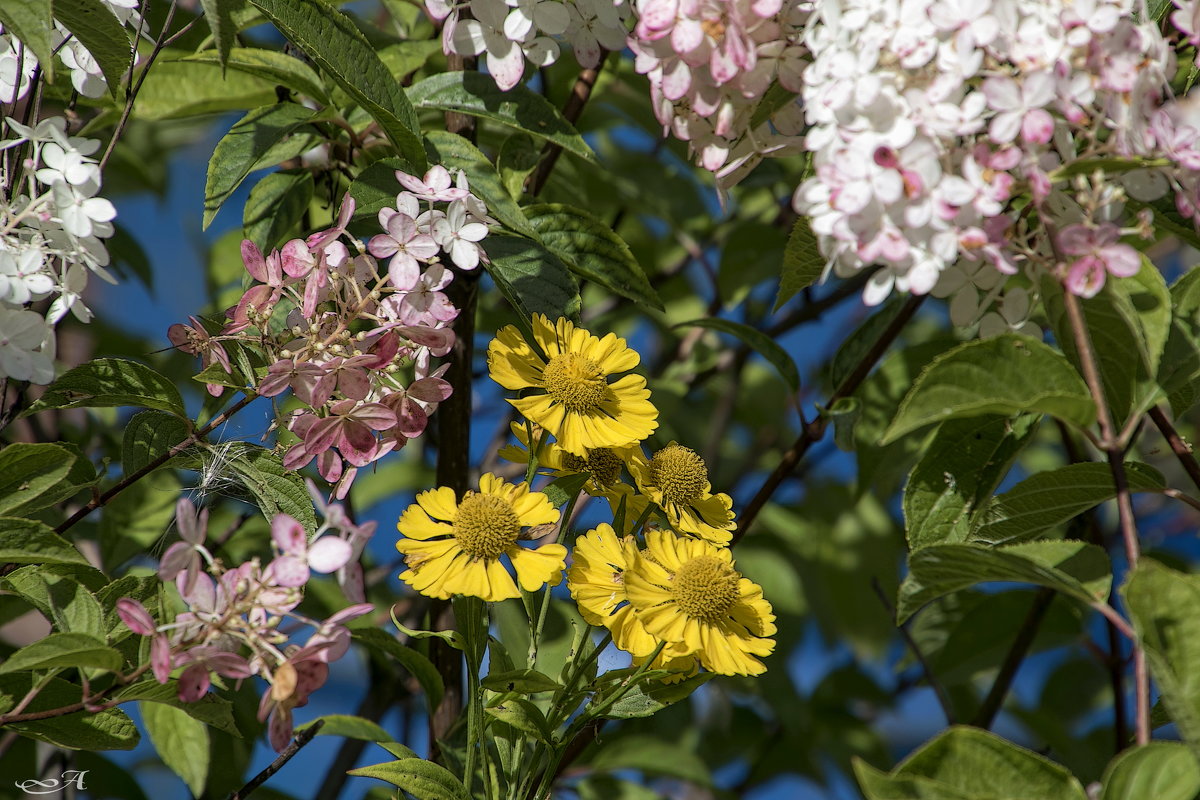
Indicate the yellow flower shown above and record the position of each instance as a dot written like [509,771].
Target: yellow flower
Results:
[596,580]
[604,463]
[462,554]
[576,403]
[674,658]
[676,479]
[687,592]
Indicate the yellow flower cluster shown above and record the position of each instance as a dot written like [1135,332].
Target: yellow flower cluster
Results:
[677,593]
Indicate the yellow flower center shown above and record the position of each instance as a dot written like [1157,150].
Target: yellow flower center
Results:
[679,474]
[705,588]
[485,526]
[576,382]
[604,464]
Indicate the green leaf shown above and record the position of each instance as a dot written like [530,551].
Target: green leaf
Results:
[178,87]
[107,382]
[181,742]
[270,65]
[650,697]
[375,188]
[1161,770]
[564,489]
[148,435]
[29,471]
[531,278]
[803,263]
[331,39]
[93,24]
[63,593]
[592,250]
[478,95]
[1007,375]
[110,729]
[957,473]
[775,98]
[453,151]
[276,489]
[423,779]
[240,150]
[29,22]
[965,763]
[653,755]
[138,517]
[404,58]
[350,727]
[276,205]
[1074,568]
[522,715]
[1164,607]
[418,665]
[764,345]
[24,541]
[1052,498]
[218,15]
[60,650]
[211,709]
[518,157]
[522,681]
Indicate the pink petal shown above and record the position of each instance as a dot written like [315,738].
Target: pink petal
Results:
[288,571]
[375,415]
[175,560]
[329,554]
[252,257]
[431,390]
[1122,260]
[279,731]
[135,616]
[160,658]
[193,683]
[349,613]
[289,534]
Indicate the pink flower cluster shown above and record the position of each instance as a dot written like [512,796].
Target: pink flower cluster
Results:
[710,62]
[927,117]
[355,342]
[234,617]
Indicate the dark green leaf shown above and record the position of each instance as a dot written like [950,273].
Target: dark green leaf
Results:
[564,489]
[276,489]
[764,345]
[957,473]
[803,263]
[418,665]
[107,382]
[592,250]
[1051,498]
[276,206]
[219,16]
[60,650]
[1161,770]
[522,715]
[519,156]
[331,39]
[181,742]
[211,710]
[1007,375]
[149,435]
[240,150]
[29,22]
[110,729]
[63,593]
[522,681]
[477,95]
[650,697]
[453,151]
[653,755]
[423,779]
[531,278]
[24,541]
[138,517]
[269,65]
[28,472]
[1164,607]
[1074,568]
[93,24]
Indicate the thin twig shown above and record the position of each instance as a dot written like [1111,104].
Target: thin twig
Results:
[811,432]
[1181,449]
[1012,662]
[155,463]
[939,690]
[303,738]
[1114,450]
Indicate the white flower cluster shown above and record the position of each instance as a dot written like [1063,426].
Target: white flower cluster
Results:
[18,64]
[509,32]
[927,116]
[52,226]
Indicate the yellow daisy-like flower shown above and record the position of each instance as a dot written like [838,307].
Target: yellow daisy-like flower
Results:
[462,554]
[676,479]
[576,403]
[603,463]
[687,592]
[597,582]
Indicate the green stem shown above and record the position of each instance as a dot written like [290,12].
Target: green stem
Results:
[472,613]
[535,633]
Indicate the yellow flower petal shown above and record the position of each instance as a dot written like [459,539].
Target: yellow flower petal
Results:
[440,503]
[415,524]
[512,363]
[536,568]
